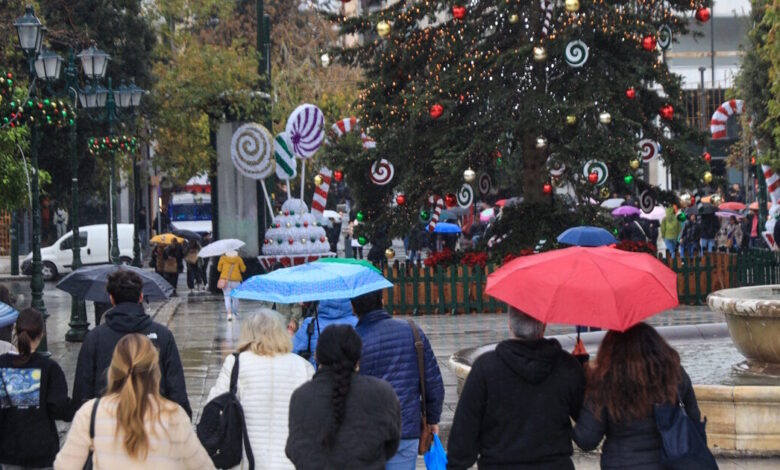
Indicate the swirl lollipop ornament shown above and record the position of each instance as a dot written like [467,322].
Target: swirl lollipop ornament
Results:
[485,183]
[648,149]
[599,168]
[576,53]
[306,129]
[250,150]
[646,201]
[465,196]
[665,37]
[382,172]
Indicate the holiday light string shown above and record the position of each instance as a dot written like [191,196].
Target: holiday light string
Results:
[107,145]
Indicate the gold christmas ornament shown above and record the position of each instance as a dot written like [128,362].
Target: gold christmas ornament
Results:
[317,180]
[604,192]
[541,142]
[572,6]
[514,18]
[540,54]
[634,164]
[469,175]
[389,253]
[707,177]
[605,118]
[571,120]
[383,29]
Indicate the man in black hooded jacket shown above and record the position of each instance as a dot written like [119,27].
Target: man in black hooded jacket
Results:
[127,316]
[515,408]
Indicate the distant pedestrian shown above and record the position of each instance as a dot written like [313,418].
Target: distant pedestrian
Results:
[389,353]
[174,257]
[61,221]
[516,406]
[689,237]
[329,312]
[709,230]
[128,316]
[135,427]
[634,370]
[142,224]
[33,394]
[230,267]
[670,231]
[268,374]
[341,419]
[195,274]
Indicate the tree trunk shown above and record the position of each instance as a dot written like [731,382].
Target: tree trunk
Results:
[534,169]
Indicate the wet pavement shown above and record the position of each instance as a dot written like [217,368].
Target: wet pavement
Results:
[204,338]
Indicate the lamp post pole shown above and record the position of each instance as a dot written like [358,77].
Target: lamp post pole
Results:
[136,206]
[111,118]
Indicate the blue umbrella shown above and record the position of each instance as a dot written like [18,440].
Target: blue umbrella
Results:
[444,227]
[312,281]
[586,236]
[8,315]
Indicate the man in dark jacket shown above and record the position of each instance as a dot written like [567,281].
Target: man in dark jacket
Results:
[516,404]
[389,353]
[127,316]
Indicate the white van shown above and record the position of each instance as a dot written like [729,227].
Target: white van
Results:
[58,258]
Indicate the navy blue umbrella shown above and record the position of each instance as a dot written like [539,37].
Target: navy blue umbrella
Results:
[586,236]
[90,283]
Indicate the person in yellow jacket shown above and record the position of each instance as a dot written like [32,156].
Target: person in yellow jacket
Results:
[230,267]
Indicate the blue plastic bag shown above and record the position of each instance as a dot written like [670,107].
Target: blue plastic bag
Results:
[436,458]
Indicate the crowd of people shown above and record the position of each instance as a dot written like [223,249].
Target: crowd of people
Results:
[347,390]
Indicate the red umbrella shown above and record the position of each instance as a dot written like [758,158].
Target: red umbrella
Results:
[732,206]
[600,287]
[501,202]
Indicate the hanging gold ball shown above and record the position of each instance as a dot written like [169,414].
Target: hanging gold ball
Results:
[571,120]
[604,192]
[707,177]
[514,18]
[389,253]
[540,54]
[317,180]
[469,175]
[572,6]
[634,164]
[605,118]
[383,29]
[685,200]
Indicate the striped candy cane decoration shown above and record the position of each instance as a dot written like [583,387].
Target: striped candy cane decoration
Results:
[772,183]
[721,116]
[320,198]
[547,7]
[350,124]
[439,202]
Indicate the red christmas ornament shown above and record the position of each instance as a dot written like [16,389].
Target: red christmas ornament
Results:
[667,112]
[400,199]
[707,157]
[648,43]
[753,160]
[436,111]
[593,178]
[630,93]
[338,176]
[703,14]
[458,12]
[547,188]
[290,241]
[450,200]
[693,199]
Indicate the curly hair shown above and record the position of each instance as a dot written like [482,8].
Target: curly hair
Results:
[634,370]
[338,350]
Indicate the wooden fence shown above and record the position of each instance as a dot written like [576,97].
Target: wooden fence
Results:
[452,290]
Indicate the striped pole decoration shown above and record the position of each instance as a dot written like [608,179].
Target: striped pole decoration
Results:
[772,184]
[320,198]
[439,206]
[547,7]
[350,124]
[721,116]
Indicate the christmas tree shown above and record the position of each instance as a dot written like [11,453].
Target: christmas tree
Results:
[538,98]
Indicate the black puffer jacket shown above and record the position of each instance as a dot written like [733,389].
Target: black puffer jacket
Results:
[515,408]
[98,347]
[367,438]
[635,444]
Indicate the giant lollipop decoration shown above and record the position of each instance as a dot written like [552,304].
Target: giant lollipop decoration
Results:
[250,150]
[306,129]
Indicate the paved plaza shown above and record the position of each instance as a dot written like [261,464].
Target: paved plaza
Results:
[204,338]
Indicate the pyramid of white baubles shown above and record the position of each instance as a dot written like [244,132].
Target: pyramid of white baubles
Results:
[295,232]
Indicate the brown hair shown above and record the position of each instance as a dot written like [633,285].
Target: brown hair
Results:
[29,327]
[634,370]
[134,378]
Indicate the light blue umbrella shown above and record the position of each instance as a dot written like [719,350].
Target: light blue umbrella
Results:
[8,315]
[312,281]
[444,227]
[586,236]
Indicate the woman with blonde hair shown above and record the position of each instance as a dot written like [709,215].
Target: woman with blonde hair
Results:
[268,373]
[134,426]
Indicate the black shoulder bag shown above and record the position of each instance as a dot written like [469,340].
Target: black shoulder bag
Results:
[88,465]
[683,440]
[222,428]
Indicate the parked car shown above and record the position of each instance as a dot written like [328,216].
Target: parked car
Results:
[58,258]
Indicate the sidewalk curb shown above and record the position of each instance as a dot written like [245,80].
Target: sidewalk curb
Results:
[5,277]
[165,312]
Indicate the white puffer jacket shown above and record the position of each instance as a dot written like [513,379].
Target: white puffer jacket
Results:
[265,385]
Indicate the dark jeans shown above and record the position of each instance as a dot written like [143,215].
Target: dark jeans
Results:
[195,275]
[173,279]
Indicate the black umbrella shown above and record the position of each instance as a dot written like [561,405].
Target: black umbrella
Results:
[707,209]
[188,234]
[692,211]
[90,283]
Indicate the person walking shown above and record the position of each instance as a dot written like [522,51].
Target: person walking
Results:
[195,279]
[389,353]
[708,232]
[341,419]
[134,426]
[689,237]
[33,394]
[173,256]
[329,312]
[670,231]
[125,289]
[516,404]
[268,374]
[230,267]
[142,224]
[7,320]
[634,370]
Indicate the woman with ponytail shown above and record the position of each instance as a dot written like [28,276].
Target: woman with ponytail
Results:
[341,419]
[135,427]
[33,393]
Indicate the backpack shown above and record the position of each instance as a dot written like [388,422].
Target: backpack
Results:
[222,428]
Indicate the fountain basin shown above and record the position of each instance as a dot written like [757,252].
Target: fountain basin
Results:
[743,412]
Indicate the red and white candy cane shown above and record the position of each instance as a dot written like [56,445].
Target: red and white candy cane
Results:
[320,198]
[547,8]
[772,183]
[350,124]
[721,116]
[439,206]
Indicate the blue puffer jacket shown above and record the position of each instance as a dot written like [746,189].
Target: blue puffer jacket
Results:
[329,312]
[389,354]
